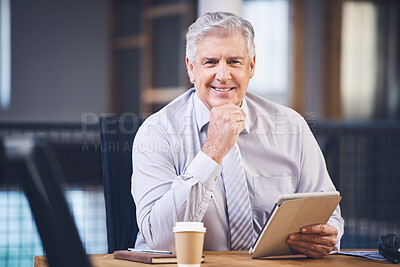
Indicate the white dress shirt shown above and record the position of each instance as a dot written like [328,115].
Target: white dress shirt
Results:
[173,180]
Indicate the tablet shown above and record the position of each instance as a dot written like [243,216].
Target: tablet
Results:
[290,213]
[285,197]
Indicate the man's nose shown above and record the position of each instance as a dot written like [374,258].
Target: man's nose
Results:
[223,73]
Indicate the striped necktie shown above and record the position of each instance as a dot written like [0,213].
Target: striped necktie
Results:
[237,200]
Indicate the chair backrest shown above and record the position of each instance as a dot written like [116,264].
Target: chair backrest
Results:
[40,178]
[117,135]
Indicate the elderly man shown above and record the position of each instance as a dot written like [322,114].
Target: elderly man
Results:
[221,155]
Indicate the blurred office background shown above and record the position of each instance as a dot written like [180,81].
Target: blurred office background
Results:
[65,63]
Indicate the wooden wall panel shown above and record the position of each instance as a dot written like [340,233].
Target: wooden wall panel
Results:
[332,107]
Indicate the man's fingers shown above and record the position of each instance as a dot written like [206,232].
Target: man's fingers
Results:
[236,117]
[226,123]
[315,241]
[309,252]
[314,238]
[241,126]
[233,107]
[229,109]
[311,246]
[320,229]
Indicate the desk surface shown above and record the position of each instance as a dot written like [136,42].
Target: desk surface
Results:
[234,258]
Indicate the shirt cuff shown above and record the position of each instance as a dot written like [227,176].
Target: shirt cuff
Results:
[204,169]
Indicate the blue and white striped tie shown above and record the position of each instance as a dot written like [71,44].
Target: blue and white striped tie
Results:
[237,200]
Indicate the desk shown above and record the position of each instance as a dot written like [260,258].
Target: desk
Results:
[233,258]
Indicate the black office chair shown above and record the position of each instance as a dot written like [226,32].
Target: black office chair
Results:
[117,135]
[40,177]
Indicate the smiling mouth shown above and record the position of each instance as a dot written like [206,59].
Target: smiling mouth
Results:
[222,89]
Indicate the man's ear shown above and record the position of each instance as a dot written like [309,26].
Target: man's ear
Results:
[252,66]
[189,66]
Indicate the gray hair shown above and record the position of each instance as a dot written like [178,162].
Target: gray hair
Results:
[220,24]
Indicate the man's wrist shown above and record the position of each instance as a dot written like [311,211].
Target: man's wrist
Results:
[212,152]
[204,169]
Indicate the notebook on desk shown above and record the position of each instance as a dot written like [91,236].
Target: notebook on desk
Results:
[290,213]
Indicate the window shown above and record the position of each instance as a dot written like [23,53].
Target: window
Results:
[370,60]
[270,20]
[5,54]
[359,61]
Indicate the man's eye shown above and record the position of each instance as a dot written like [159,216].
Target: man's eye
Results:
[210,62]
[235,62]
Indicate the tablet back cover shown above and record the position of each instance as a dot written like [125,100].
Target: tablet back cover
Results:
[288,218]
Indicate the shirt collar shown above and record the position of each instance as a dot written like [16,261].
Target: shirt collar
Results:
[247,120]
[203,114]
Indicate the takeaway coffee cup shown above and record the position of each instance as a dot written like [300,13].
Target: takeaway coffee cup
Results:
[189,240]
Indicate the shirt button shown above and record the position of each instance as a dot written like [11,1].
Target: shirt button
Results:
[216,178]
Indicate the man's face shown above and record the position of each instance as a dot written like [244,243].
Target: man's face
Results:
[221,70]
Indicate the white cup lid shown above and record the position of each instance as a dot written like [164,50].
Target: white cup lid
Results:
[189,227]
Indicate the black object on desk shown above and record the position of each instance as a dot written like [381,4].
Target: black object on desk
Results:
[40,179]
[389,247]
